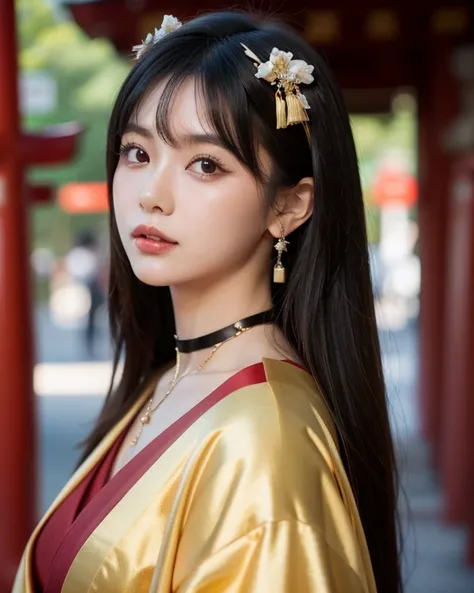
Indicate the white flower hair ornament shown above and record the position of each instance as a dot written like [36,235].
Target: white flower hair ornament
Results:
[169,24]
[287,74]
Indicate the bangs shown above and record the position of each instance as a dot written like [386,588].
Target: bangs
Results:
[223,109]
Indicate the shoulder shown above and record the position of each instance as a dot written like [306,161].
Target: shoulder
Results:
[275,439]
[283,413]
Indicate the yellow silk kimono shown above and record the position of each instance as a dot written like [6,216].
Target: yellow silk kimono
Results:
[246,493]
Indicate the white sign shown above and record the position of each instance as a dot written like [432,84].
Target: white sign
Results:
[38,93]
[395,239]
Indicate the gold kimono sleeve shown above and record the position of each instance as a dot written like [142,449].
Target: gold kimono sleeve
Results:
[269,507]
[276,557]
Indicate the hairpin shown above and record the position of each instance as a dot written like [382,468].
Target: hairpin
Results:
[169,24]
[287,74]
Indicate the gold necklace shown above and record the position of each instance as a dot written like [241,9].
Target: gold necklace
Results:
[149,409]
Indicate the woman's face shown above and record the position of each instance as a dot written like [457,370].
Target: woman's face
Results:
[204,210]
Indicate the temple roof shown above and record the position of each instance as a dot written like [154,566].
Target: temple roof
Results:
[367,45]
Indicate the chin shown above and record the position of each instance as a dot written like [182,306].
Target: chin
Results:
[154,273]
[161,273]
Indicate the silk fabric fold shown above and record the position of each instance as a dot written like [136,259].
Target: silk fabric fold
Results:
[245,493]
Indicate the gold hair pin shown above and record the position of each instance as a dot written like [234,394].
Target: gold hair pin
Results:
[169,24]
[287,74]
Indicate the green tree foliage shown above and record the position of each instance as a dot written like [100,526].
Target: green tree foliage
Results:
[88,74]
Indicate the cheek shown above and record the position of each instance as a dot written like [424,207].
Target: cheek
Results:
[123,201]
[230,220]
[243,210]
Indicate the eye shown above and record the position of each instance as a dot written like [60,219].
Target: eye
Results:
[206,166]
[135,155]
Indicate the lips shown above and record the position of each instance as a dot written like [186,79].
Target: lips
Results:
[150,241]
[152,233]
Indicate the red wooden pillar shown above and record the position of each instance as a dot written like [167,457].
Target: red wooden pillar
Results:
[437,108]
[468,474]
[457,441]
[456,408]
[17,484]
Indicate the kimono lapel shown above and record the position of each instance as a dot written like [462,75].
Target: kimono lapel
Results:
[128,490]
[24,579]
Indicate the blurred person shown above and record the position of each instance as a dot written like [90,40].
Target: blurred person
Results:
[378,271]
[84,264]
[246,445]
[43,262]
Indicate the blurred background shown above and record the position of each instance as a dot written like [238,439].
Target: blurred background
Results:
[408,77]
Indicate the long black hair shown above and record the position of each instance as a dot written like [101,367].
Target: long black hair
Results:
[325,309]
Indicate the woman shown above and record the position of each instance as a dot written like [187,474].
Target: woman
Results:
[261,460]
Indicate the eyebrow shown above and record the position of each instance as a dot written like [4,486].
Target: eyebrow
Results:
[190,139]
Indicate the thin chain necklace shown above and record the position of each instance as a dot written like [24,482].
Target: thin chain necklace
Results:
[150,409]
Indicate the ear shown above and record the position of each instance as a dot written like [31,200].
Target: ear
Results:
[293,207]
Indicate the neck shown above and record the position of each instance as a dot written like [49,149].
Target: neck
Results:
[204,309]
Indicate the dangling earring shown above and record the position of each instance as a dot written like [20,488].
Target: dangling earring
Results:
[279,269]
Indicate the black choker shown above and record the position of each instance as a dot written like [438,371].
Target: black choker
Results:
[210,340]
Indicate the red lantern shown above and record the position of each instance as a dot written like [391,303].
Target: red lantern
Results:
[394,187]
[83,198]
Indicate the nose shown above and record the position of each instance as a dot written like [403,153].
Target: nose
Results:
[157,195]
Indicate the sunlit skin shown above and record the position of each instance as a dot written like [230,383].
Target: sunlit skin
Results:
[203,199]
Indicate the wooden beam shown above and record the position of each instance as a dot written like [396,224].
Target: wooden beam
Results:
[340,24]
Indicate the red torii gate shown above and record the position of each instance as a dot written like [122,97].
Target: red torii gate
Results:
[17,426]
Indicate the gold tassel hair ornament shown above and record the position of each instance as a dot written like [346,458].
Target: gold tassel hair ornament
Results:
[287,74]
[280,109]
